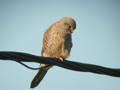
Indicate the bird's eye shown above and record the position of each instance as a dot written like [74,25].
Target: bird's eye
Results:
[67,26]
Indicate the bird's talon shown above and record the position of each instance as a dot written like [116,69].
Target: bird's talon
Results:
[60,58]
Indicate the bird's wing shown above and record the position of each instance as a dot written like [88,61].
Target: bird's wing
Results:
[51,41]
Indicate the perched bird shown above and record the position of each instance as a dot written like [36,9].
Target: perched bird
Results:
[57,43]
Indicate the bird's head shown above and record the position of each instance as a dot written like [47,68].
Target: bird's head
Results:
[68,24]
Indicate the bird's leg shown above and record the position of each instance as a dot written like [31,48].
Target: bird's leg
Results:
[60,58]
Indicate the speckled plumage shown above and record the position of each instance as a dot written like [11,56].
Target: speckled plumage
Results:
[57,42]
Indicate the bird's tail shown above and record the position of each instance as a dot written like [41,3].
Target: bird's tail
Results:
[39,76]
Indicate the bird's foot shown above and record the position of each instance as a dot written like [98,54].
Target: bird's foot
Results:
[60,58]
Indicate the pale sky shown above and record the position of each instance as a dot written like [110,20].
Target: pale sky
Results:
[96,40]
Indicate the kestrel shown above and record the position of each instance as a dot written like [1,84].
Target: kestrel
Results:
[57,43]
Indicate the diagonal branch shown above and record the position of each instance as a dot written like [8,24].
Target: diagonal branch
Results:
[76,66]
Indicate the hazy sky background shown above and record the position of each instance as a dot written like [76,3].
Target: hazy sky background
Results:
[96,41]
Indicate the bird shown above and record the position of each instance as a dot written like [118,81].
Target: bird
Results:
[57,43]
